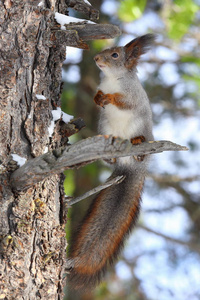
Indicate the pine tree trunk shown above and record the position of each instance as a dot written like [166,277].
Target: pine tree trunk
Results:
[33,243]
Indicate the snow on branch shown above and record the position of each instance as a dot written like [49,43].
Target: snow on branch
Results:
[82,153]
[64,20]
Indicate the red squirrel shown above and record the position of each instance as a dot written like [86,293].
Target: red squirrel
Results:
[124,112]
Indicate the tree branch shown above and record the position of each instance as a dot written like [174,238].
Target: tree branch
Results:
[81,153]
[97,189]
[89,32]
[191,245]
[76,34]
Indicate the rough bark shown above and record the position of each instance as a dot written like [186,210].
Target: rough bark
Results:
[32,235]
[32,226]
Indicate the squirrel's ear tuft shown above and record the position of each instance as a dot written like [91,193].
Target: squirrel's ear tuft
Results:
[137,47]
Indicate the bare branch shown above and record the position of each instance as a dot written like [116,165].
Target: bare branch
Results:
[191,245]
[81,153]
[97,189]
[173,179]
[168,208]
[88,32]
[76,34]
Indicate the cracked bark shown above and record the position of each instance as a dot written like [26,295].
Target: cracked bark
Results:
[32,235]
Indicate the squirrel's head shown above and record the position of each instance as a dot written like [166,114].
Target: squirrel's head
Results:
[121,59]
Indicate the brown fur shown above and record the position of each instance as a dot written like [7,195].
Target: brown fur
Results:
[102,99]
[94,247]
[138,140]
[136,48]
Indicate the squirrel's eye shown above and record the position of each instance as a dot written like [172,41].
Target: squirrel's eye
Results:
[115,55]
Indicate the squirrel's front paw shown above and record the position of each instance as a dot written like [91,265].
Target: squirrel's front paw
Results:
[101,99]
[137,141]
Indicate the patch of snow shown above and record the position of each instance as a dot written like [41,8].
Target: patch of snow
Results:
[20,160]
[51,128]
[64,20]
[58,114]
[46,150]
[40,97]
[87,2]
[41,3]
[66,118]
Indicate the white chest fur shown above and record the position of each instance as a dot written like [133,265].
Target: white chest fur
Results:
[110,85]
[124,123]
[120,123]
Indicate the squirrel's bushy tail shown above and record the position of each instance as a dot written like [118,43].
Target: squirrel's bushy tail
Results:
[101,234]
